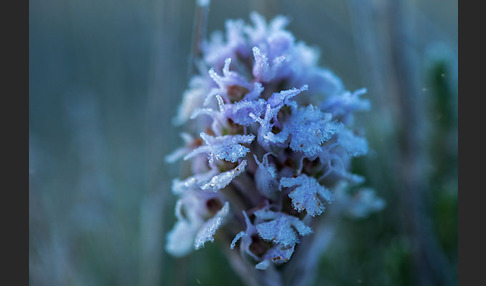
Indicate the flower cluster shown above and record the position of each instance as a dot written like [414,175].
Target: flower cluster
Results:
[275,137]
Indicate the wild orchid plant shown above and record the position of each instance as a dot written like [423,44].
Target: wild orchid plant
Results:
[270,147]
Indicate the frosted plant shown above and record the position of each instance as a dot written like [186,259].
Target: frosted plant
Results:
[269,147]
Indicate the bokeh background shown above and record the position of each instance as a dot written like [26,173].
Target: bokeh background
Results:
[106,77]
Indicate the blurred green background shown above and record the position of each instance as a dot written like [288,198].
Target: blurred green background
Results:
[106,76]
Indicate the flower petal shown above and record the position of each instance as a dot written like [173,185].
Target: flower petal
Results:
[307,196]
[207,231]
[222,180]
[282,228]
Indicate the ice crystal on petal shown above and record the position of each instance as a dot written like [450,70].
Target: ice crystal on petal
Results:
[263,265]
[222,180]
[266,137]
[307,195]
[245,237]
[219,121]
[191,183]
[277,255]
[353,144]
[336,164]
[266,176]
[225,147]
[209,228]
[343,105]
[309,128]
[361,204]
[265,69]
[236,238]
[191,100]
[255,93]
[261,31]
[181,238]
[366,202]
[285,97]
[322,81]
[281,228]
[240,111]
[180,152]
[217,50]
[229,79]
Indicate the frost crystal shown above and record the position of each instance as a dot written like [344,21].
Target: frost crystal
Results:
[277,255]
[281,228]
[308,195]
[222,180]
[223,147]
[276,138]
[208,230]
[309,128]
[266,177]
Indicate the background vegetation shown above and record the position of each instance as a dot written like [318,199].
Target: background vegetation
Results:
[105,80]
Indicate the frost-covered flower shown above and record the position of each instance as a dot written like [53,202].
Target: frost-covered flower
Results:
[270,148]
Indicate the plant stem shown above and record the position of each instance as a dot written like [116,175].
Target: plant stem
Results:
[251,276]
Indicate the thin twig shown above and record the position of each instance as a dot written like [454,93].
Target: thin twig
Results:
[199,35]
